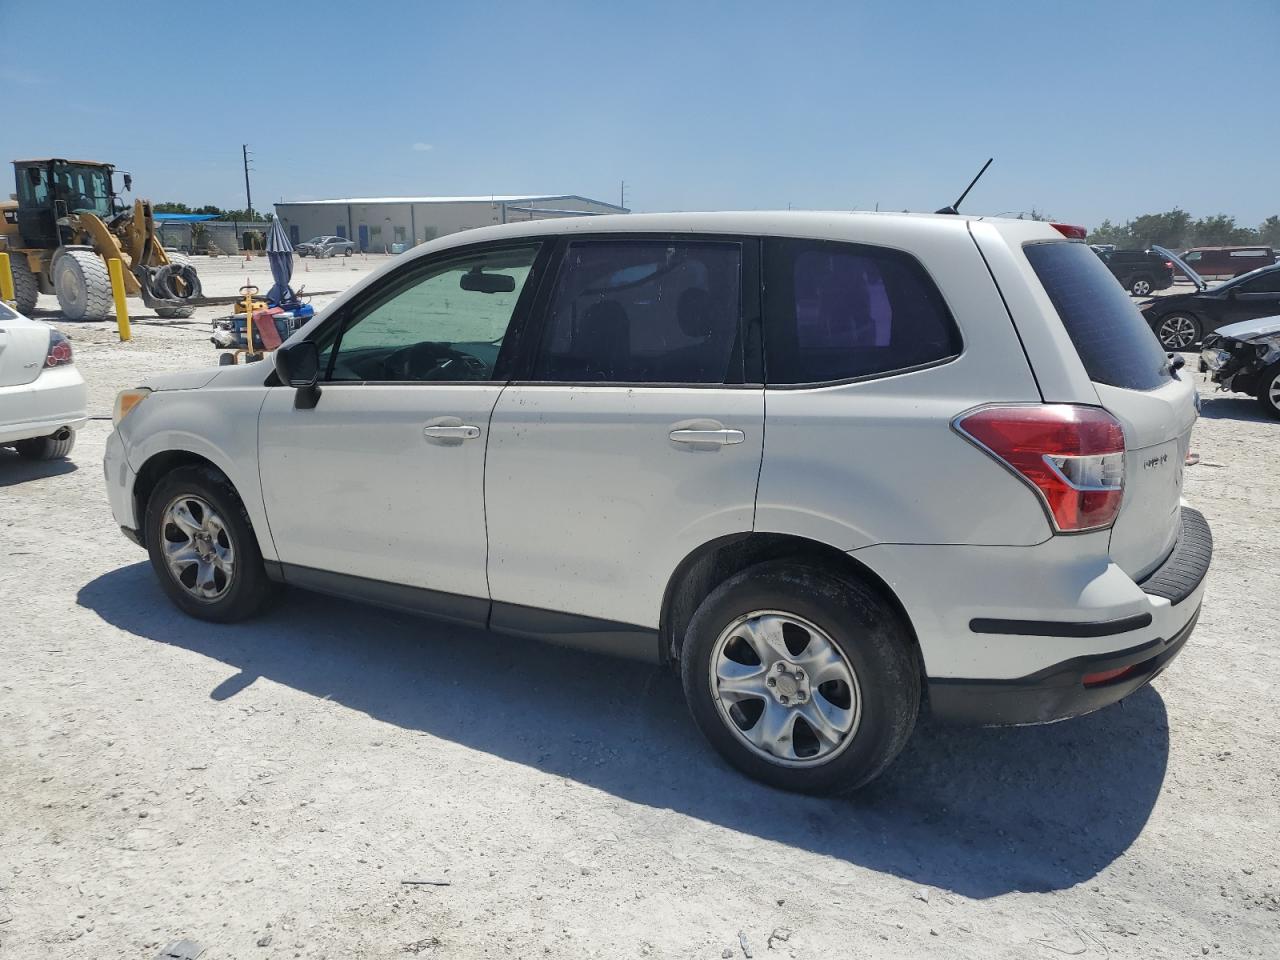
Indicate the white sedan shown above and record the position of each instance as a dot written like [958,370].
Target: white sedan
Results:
[42,395]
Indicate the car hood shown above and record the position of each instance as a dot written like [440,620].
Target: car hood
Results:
[1248,330]
[1181,265]
[186,380]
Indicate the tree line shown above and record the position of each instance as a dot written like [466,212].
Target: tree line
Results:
[241,215]
[1177,230]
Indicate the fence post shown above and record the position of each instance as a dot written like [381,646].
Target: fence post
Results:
[117,291]
[6,281]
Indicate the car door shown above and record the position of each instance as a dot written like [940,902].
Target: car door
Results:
[381,483]
[1256,296]
[632,436]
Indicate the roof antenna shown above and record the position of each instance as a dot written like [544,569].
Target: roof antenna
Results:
[955,207]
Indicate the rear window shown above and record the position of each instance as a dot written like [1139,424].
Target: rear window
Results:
[1110,335]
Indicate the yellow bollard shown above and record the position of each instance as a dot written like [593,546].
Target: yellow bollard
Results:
[6,281]
[117,291]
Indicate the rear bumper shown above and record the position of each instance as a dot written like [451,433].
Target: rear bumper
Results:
[1058,692]
[55,399]
[1008,634]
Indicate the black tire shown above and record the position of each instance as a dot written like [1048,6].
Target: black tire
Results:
[26,287]
[247,590]
[51,447]
[1269,390]
[874,642]
[1140,286]
[347,252]
[1174,329]
[83,285]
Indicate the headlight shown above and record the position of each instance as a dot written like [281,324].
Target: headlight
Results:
[126,400]
[1215,359]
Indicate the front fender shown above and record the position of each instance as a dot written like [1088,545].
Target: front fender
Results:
[218,425]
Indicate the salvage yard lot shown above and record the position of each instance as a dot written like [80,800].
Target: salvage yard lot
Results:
[266,789]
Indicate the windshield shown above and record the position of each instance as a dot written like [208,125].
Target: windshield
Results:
[83,188]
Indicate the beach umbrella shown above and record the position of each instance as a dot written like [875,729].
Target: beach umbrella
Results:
[280,255]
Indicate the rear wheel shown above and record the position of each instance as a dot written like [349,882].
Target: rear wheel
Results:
[1269,390]
[347,252]
[1178,331]
[25,286]
[53,447]
[203,548]
[800,678]
[1140,286]
[82,284]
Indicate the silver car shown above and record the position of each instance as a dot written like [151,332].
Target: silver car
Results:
[326,247]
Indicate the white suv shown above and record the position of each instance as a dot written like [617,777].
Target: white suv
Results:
[834,466]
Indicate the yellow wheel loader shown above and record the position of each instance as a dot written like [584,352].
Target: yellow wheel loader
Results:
[63,224]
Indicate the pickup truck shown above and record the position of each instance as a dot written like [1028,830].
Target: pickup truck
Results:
[1139,271]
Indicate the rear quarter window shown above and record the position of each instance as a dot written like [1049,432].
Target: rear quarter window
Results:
[838,312]
[1114,342]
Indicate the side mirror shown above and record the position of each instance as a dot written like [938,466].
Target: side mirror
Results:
[128,181]
[298,365]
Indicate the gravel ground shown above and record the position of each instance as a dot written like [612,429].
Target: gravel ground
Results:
[266,789]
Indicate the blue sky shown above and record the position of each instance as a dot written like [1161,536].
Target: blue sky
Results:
[1091,110]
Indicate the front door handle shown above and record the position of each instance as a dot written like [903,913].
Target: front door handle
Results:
[449,431]
[721,435]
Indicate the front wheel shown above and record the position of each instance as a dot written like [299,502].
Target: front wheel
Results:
[202,546]
[800,678]
[1178,331]
[1269,390]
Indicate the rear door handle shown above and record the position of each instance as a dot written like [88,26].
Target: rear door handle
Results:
[722,435]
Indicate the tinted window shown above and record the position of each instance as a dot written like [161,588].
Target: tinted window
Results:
[644,312]
[444,322]
[1113,340]
[1268,282]
[836,311]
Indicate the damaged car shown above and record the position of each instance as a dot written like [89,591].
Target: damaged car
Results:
[1245,358]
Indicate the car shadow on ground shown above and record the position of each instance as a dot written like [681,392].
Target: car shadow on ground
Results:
[980,812]
[1233,407]
[15,469]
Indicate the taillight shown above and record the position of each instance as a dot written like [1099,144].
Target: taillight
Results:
[1070,231]
[59,354]
[1072,456]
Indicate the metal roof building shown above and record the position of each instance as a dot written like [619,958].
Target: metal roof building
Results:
[393,224]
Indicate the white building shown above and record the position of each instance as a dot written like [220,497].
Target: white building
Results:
[378,223]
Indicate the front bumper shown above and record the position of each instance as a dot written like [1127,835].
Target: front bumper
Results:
[120,479]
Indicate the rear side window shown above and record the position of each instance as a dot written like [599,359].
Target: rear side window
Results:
[645,311]
[842,311]
[1113,340]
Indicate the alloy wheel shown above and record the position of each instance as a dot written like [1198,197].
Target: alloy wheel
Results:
[198,548]
[1177,332]
[785,689]
[1273,393]
[1140,288]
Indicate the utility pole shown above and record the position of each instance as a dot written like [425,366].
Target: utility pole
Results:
[622,194]
[248,198]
